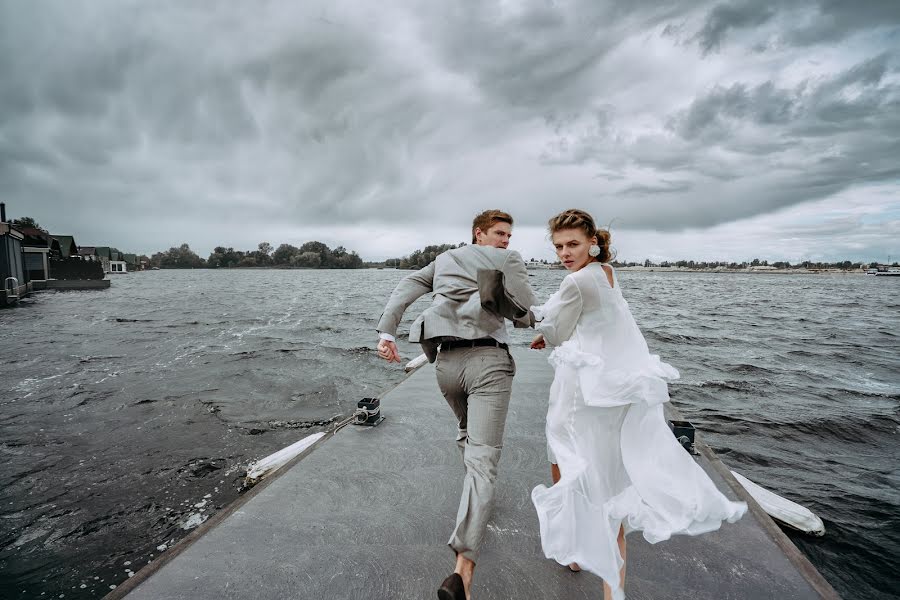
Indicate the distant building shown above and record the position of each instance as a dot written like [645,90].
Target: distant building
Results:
[107,256]
[88,253]
[131,260]
[537,264]
[67,246]
[38,246]
[104,255]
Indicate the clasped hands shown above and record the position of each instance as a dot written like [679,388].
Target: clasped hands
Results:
[388,351]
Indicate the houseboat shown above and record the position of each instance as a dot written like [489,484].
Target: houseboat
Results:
[118,266]
[16,283]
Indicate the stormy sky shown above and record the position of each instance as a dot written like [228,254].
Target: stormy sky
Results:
[714,130]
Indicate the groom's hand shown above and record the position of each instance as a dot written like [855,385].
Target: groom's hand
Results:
[388,351]
[538,342]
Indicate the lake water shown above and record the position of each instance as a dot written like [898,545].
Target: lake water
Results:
[129,414]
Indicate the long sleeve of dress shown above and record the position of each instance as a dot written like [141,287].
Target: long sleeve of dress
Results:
[557,318]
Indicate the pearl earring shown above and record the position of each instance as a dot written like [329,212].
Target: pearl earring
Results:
[594,250]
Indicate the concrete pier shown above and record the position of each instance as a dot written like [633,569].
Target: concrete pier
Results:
[367,512]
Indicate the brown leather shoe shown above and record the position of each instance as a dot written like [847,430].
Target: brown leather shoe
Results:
[452,588]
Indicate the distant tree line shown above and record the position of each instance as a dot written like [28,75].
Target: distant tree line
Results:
[316,255]
[421,258]
[806,264]
[425,256]
[177,258]
[311,255]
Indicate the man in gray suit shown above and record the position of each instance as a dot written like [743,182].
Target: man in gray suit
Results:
[474,367]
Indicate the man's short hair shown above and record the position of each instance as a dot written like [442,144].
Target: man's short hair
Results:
[488,219]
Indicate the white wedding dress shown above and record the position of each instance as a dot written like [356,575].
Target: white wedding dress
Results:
[619,461]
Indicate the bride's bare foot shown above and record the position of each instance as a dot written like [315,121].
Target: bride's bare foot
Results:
[574,567]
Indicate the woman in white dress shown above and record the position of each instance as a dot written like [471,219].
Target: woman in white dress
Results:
[619,467]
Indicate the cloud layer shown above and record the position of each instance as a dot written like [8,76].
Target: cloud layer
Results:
[145,125]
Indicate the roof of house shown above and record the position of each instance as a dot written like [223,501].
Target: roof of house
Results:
[38,238]
[12,231]
[35,235]
[67,245]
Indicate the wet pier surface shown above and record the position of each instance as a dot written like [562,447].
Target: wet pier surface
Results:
[367,513]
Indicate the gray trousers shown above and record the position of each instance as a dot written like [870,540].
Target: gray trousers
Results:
[477,383]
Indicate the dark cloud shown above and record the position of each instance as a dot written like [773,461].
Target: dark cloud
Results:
[762,105]
[207,119]
[664,187]
[834,20]
[726,17]
[856,109]
[536,55]
[743,150]
[798,23]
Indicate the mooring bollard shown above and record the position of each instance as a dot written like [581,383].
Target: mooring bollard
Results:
[368,412]
[684,433]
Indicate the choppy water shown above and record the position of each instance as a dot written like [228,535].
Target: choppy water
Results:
[128,415]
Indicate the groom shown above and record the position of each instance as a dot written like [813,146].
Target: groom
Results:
[474,367]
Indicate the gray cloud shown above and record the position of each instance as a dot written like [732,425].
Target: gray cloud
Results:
[725,17]
[158,121]
[664,187]
[800,23]
[834,20]
[537,54]
[762,105]
[743,150]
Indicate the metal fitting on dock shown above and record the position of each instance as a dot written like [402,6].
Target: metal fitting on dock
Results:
[684,433]
[368,412]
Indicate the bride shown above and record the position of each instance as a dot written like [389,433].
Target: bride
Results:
[617,466]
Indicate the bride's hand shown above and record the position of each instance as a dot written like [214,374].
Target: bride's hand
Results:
[538,342]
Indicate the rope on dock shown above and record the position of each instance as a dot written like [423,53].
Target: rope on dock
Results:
[361,415]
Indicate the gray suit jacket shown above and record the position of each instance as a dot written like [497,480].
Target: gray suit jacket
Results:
[456,309]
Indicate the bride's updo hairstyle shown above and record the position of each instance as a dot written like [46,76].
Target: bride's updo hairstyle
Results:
[579,219]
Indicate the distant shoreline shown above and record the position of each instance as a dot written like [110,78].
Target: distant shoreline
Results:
[746,271]
[749,271]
